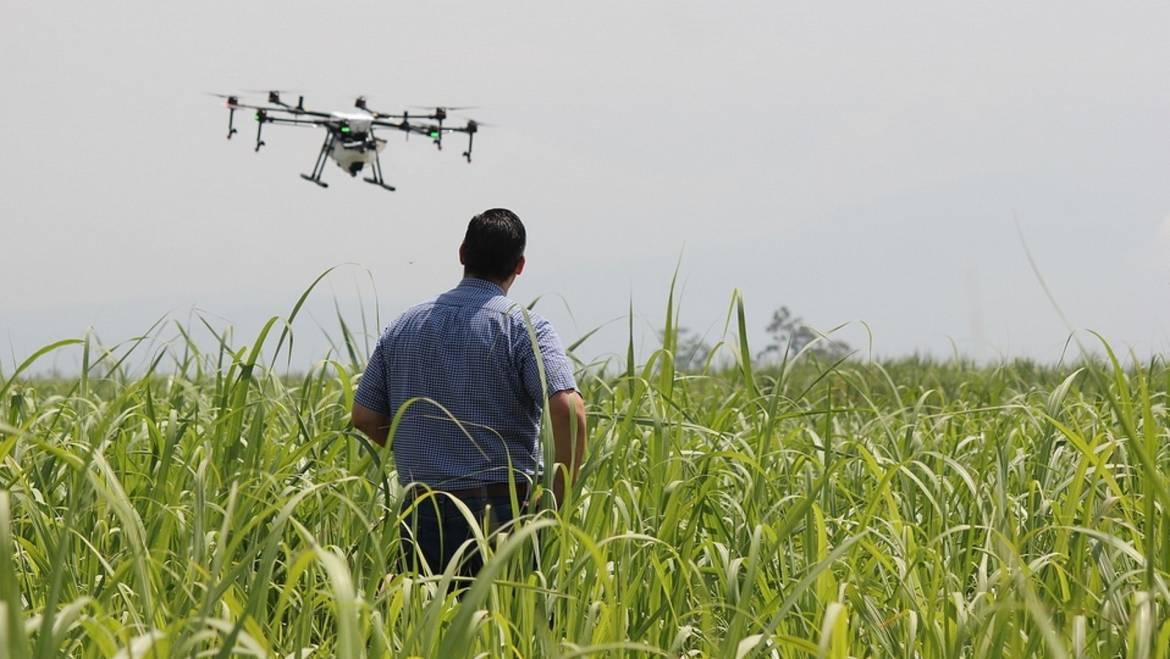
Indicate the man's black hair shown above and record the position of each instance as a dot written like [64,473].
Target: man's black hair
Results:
[494,244]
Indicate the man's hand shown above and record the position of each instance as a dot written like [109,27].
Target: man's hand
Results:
[375,425]
[567,410]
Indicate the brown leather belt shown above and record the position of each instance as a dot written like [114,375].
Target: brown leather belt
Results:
[483,491]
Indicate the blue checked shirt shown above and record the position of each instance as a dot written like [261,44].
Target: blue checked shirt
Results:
[468,350]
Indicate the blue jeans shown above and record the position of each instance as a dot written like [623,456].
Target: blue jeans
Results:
[436,529]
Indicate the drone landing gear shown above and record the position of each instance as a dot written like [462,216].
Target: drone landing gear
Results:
[319,166]
[231,121]
[470,141]
[376,179]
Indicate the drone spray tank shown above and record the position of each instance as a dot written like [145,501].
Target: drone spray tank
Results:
[355,145]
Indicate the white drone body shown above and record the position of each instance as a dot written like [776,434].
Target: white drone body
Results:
[351,155]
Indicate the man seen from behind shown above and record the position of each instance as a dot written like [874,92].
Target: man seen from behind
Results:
[469,358]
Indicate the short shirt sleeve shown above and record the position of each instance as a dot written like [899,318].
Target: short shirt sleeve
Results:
[558,370]
[371,391]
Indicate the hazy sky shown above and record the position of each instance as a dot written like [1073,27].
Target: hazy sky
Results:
[854,161]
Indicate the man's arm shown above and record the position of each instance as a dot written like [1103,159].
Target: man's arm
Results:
[566,407]
[567,410]
[375,425]
[371,403]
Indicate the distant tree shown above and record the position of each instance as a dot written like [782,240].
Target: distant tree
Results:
[692,350]
[789,334]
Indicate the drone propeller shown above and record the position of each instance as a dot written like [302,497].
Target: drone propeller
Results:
[274,95]
[232,99]
[271,91]
[448,108]
[362,103]
[440,112]
[471,126]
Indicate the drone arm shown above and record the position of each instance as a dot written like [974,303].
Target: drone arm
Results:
[309,113]
[418,129]
[403,126]
[284,121]
[430,130]
[262,117]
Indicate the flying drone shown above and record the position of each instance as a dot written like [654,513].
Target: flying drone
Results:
[349,136]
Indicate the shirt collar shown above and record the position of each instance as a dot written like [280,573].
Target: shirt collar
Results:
[484,285]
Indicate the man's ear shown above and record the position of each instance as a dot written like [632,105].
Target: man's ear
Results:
[462,253]
[520,265]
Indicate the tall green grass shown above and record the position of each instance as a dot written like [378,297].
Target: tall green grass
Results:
[213,507]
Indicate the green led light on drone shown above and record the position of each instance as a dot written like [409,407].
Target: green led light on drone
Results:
[434,134]
[345,129]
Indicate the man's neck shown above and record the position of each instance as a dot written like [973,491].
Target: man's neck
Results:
[504,285]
